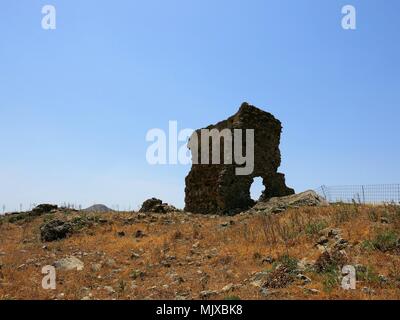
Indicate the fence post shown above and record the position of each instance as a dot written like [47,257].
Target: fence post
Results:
[363,193]
[326,193]
[323,191]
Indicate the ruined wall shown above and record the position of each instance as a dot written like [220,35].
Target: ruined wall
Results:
[216,189]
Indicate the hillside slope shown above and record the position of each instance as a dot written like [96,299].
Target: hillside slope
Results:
[297,254]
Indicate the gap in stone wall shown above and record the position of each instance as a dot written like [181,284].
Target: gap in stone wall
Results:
[256,188]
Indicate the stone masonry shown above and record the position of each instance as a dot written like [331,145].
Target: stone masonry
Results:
[216,188]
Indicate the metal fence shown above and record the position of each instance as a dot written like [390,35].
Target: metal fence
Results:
[369,194]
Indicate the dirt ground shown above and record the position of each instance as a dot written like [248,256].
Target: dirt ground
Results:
[186,256]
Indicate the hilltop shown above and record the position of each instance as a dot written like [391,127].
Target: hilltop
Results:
[295,253]
[98,208]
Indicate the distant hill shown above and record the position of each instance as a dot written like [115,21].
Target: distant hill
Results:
[98,208]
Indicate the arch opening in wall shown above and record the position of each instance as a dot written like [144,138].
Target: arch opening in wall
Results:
[257,188]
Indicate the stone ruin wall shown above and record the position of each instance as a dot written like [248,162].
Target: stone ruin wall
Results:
[216,189]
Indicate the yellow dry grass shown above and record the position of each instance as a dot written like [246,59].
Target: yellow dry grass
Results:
[206,252]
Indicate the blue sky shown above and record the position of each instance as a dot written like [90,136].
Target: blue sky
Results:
[76,102]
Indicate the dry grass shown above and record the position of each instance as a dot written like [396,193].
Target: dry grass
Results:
[182,255]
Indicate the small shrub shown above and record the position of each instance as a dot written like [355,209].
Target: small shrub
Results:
[367,245]
[329,262]
[20,218]
[279,278]
[287,232]
[177,235]
[343,216]
[385,241]
[314,227]
[330,281]
[135,274]
[288,262]
[373,215]
[55,230]
[48,218]
[395,216]
[368,274]
[283,273]
[122,285]
[257,256]
[81,222]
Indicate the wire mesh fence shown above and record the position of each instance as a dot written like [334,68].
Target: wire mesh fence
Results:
[368,194]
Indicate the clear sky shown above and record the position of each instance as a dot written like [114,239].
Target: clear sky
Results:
[76,102]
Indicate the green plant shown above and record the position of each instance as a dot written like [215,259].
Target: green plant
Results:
[137,274]
[368,274]
[394,215]
[330,280]
[367,245]
[81,222]
[314,227]
[386,240]
[48,218]
[287,232]
[373,215]
[288,262]
[122,285]
[20,217]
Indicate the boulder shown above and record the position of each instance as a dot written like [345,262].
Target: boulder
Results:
[155,205]
[330,260]
[43,209]
[279,278]
[55,230]
[280,204]
[69,263]
[207,294]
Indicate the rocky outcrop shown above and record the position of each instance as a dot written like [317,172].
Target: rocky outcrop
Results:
[331,260]
[55,230]
[43,209]
[279,204]
[218,188]
[155,205]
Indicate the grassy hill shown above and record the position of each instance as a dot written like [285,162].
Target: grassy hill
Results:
[297,254]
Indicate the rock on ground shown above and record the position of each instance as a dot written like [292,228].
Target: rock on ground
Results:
[281,277]
[156,206]
[279,204]
[43,208]
[55,230]
[69,263]
[329,260]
